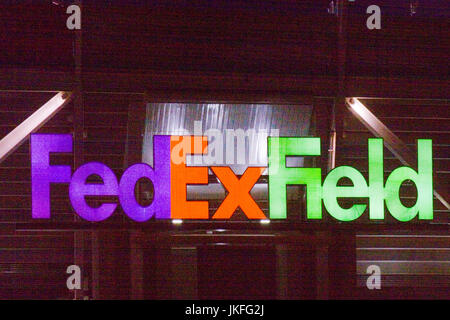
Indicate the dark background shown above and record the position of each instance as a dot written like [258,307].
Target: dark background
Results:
[132,52]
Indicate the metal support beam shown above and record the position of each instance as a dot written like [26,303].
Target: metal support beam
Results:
[80,238]
[392,142]
[16,137]
[133,154]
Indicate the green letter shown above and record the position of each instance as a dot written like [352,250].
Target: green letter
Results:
[376,179]
[331,192]
[423,179]
[280,176]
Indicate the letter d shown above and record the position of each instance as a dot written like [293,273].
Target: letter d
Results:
[160,178]
[423,179]
[42,173]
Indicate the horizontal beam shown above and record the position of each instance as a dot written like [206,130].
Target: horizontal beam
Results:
[179,84]
[35,80]
[161,226]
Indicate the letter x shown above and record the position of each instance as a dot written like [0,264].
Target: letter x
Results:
[239,192]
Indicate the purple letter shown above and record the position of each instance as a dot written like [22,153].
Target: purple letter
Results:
[42,173]
[78,189]
[160,178]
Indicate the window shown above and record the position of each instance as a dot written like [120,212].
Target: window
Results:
[237,137]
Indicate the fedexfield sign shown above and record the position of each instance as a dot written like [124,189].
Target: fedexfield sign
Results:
[170,176]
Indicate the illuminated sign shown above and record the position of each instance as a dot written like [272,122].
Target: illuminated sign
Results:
[170,176]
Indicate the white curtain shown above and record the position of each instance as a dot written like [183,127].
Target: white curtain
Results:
[261,120]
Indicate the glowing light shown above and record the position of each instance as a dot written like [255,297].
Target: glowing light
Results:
[380,192]
[15,138]
[358,106]
[281,176]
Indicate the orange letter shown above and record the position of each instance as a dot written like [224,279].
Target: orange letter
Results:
[239,192]
[181,176]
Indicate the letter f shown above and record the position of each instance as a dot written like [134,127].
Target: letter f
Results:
[42,173]
[280,176]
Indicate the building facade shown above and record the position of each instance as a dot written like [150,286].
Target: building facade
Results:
[135,71]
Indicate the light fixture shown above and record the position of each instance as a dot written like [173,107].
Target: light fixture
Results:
[17,136]
[177,221]
[398,148]
[265,221]
[221,244]
[358,106]
[413,5]
[332,8]
[58,3]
